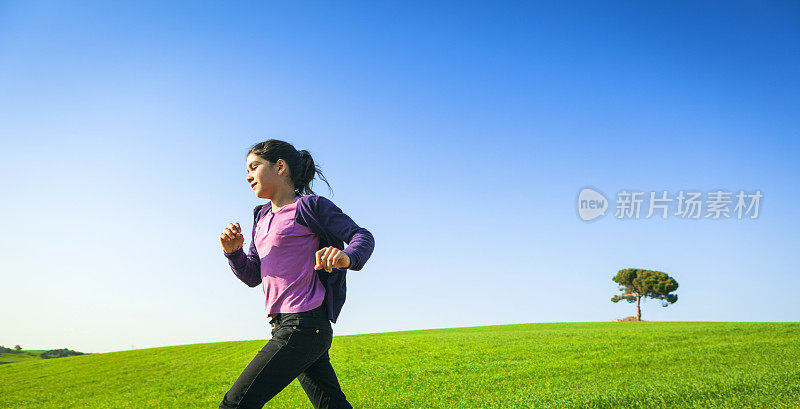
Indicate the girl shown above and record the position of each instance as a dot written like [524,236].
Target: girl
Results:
[298,256]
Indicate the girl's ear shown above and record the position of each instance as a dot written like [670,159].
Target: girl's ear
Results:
[281,165]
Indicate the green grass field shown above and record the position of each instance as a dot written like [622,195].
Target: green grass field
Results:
[558,365]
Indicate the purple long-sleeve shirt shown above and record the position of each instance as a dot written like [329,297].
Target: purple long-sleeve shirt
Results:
[332,227]
[287,250]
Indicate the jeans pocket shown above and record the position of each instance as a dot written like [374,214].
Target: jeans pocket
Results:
[308,333]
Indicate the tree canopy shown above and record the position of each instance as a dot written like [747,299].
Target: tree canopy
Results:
[635,283]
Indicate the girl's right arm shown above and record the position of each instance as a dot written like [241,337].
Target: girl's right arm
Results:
[246,267]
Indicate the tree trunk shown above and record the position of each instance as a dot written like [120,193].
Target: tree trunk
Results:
[638,310]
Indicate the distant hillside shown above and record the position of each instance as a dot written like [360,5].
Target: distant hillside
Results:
[9,355]
[554,365]
[24,355]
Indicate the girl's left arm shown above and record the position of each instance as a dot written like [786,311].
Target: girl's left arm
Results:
[360,242]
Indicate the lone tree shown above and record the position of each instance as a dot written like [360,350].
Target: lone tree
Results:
[636,283]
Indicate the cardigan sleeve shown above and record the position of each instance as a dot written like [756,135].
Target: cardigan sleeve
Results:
[247,267]
[360,241]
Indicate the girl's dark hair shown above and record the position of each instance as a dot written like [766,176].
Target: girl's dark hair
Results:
[301,165]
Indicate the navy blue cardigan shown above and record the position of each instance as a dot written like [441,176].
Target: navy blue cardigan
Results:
[333,227]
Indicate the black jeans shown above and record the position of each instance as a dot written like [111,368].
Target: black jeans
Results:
[298,349]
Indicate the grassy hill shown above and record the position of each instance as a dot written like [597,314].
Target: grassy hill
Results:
[24,355]
[554,365]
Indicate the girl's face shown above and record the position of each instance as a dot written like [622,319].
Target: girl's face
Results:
[264,176]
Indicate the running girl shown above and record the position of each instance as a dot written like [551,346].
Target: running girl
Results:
[297,254]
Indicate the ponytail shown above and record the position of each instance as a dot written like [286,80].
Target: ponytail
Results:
[301,164]
[306,173]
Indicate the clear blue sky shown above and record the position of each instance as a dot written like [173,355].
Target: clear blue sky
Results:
[458,134]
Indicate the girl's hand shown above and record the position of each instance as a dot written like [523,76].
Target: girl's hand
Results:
[330,257]
[231,238]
